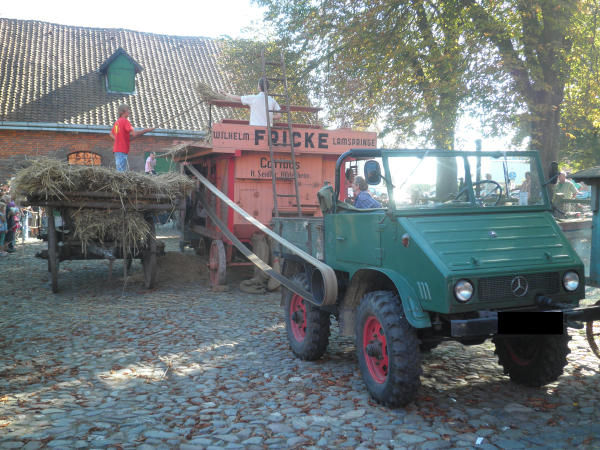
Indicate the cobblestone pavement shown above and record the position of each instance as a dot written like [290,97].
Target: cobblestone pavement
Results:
[99,366]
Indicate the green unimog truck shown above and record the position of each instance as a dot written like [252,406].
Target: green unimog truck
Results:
[465,249]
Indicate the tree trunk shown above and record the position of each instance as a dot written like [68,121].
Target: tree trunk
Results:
[446,182]
[545,130]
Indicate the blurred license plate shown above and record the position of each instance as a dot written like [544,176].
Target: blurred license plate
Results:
[530,322]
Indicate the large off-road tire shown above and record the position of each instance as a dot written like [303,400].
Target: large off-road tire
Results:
[533,360]
[307,326]
[388,349]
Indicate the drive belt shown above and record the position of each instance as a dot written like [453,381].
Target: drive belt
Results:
[329,279]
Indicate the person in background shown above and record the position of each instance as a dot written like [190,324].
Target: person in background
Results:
[3,227]
[564,190]
[10,227]
[362,198]
[122,132]
[151,164]
[487,188]
[25,219]
[526,186]
[258,116]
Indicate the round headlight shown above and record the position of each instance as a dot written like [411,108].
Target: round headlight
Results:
[571,281]
[463,290]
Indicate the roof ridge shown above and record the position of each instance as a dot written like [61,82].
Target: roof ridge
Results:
[108,29]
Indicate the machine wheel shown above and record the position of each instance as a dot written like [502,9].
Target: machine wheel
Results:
[128,261]
[592,332]
[307,326]
[149,258]
[533,360]
[217,263]
[388,349]
[52,252]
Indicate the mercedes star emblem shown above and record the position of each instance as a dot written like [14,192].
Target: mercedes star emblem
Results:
[519,286]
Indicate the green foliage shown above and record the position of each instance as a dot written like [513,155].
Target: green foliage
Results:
[409,64]
[534,41]
[580,121]
[241,59]
[416,65]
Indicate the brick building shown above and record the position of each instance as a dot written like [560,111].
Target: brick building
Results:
[60,87]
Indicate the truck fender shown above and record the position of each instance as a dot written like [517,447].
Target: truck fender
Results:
[364,281]
[410,301]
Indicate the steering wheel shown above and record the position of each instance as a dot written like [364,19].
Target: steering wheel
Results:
[489,193]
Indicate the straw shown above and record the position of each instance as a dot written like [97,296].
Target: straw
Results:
[51,179]
[208,94]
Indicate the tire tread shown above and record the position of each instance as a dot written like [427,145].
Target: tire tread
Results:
[404,372]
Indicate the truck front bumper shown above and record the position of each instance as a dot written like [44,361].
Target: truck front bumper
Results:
[522,322]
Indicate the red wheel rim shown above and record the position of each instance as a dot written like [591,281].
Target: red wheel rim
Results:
[375,350]
[522,355]
[298,317]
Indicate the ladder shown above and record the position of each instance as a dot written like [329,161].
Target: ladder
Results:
[289,156]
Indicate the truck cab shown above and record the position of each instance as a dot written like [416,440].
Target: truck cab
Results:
[465,248]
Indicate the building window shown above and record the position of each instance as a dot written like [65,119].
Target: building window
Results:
[84,159]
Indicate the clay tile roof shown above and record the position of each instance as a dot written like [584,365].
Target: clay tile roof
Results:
[51,73]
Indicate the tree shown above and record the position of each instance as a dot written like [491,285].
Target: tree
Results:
[580,120]
[406,63]
[533,40]
[241,61]
[409,64]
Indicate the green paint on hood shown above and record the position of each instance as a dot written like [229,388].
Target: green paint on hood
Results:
[492,241]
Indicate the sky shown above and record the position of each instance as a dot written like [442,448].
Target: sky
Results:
[208,18]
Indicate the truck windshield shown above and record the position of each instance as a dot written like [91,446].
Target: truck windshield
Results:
[434,181]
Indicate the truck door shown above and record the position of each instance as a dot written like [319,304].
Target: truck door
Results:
[355,238]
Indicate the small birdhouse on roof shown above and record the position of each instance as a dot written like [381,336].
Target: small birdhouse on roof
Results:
[120,70]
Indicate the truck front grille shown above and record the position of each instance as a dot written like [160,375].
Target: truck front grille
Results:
[496,288]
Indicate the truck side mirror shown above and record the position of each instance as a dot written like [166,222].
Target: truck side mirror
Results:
[553,175]
[372,172]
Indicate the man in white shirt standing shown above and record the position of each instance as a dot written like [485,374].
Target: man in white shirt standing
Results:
[256,103]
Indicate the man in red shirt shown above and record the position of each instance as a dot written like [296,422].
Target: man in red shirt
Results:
[122,132]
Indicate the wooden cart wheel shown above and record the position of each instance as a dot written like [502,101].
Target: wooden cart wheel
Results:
[128,261]
[217,263]
[592,332]
[52,252]
[149,258]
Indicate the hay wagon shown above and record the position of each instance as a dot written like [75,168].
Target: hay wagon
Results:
[67,241]
[98,213]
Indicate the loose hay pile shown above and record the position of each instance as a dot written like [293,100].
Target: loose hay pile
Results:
[52,179]
[91,225]
[208,94]
[48,179]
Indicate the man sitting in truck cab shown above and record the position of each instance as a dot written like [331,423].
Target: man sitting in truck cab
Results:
[362,198]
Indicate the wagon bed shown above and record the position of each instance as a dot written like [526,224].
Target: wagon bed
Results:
[63,246]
